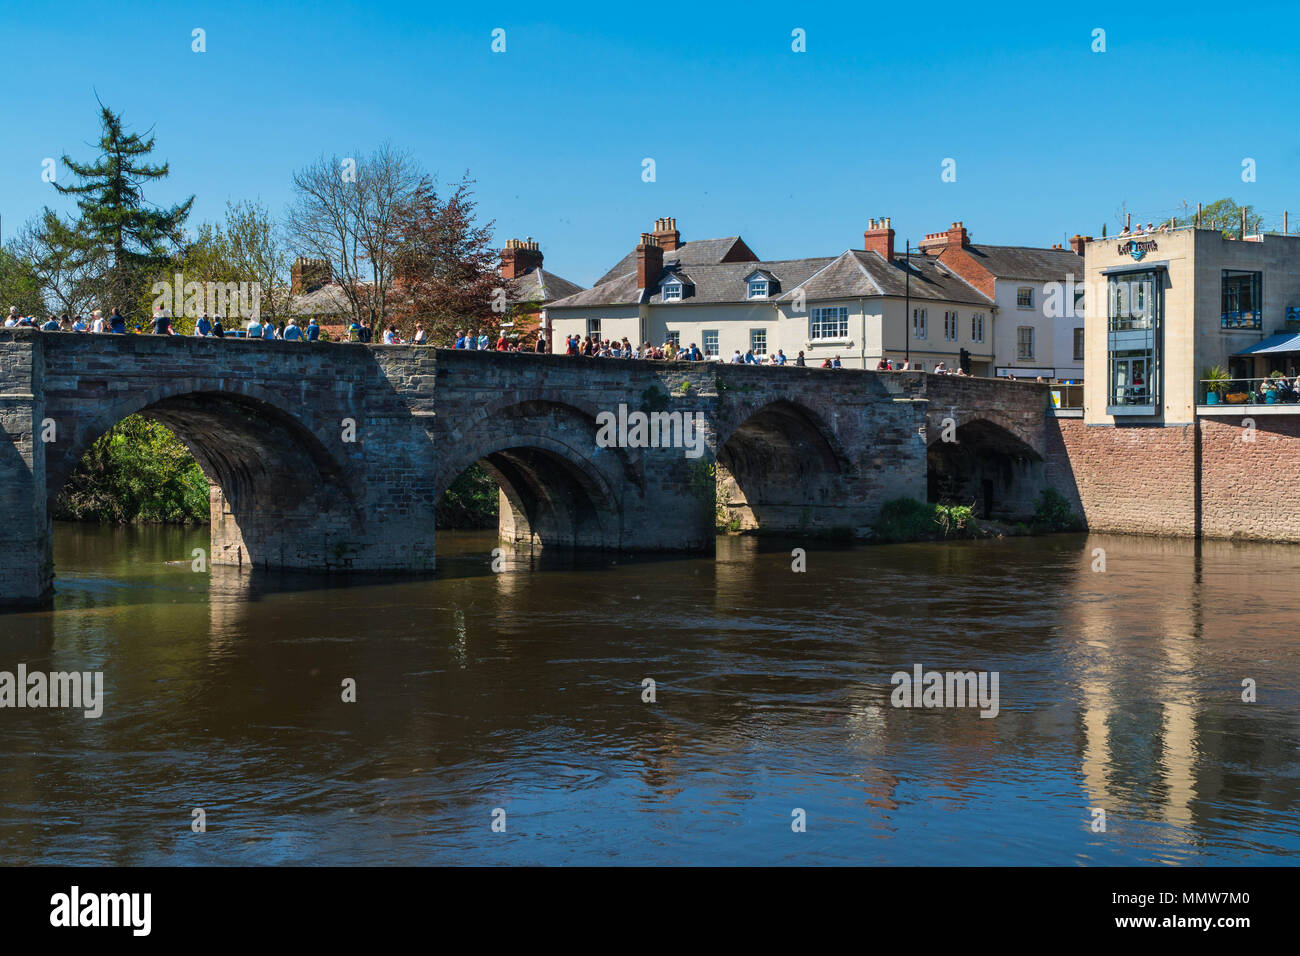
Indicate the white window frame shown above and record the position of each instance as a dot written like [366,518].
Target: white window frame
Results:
[593,329]
[758,352]
[1022,293]
[977,328]
[758,288]
[919,330]
[672,291]
[820,316]
[1023,355]
[704,341]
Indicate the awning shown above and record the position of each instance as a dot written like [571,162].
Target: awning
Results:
[1281,342]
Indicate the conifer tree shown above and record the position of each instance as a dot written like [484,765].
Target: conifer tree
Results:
[120,239]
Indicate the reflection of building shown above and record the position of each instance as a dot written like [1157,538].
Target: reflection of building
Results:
[1164,306]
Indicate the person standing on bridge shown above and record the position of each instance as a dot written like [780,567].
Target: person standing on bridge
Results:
[162,323]
[218,330]
[203,326]
[291,332]
[254,330]
[116,323]
[799,360]
[313,330]
[421,337]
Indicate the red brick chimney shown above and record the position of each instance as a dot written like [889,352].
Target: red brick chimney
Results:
[649,262]
[1077,243]
[519,256]
[879,237]
[307,274]
[956,237]
[666,232]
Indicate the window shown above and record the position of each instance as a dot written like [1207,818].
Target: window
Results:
[710,341]
[1024,297]
[1242,300]
[758,342]
[675,337]
[977,328]
[1133,357]
[830,323]
[593,328]
[1132,301]
[672,290]
[1078,303]
[1078,345]
[758,288]
[918,323]
[1025,343]
[950,326]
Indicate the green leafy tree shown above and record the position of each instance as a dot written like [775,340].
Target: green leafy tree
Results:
[19,285]
[120,236]
[1224,215]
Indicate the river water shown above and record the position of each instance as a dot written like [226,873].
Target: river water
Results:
[518,697]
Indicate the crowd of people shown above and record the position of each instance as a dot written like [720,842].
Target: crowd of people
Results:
[473,339]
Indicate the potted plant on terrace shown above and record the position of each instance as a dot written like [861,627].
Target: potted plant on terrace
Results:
[1216,383]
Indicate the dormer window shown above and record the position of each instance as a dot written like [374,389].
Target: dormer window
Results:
[672,290]
[758,288]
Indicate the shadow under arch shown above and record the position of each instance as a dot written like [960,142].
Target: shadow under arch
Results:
[557,487]
[278,495]
[987,466]
[780,470]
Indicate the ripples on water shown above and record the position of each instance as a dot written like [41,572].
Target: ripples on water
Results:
[522,690]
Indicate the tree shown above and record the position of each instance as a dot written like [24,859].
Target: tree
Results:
[118,235]
[20,285]
[447,268]
[1224,215]
[346,211]
[64,270]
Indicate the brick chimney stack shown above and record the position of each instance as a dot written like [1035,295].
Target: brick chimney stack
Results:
[308,274]
[649,261]
[666,232]
[879,237]
[518,256]
[1077,243]
[956,237]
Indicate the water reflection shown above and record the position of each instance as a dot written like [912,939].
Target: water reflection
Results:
[523,689]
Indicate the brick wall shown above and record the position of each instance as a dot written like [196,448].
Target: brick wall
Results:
[1249,487]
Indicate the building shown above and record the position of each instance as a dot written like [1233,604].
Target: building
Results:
[1163,307]
[529,288]
[861,305]
[1038,315]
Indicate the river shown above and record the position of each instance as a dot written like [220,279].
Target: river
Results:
[517,697]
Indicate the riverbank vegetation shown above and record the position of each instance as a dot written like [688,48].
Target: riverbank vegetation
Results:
[906,519]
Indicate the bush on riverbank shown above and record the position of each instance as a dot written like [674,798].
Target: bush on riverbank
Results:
[138,471]
[1053,514]
[906,519]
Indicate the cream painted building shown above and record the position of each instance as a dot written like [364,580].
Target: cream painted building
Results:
[860,306]
[1164,306]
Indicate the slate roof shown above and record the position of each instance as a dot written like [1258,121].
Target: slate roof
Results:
[696,252]
[1023,262]
[852,274]
[538,285]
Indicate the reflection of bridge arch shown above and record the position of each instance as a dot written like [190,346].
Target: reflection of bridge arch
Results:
[779,468]
[987,465]
[274,480]
[557,487]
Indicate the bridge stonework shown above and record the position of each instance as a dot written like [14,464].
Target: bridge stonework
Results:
[332,457]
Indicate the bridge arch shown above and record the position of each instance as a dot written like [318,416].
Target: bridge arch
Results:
[280,496]
[557,487]
[983,462]
[780,468]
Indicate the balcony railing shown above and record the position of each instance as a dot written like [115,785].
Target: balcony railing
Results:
[1250,391]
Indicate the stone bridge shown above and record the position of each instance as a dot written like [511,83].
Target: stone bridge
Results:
[331,457]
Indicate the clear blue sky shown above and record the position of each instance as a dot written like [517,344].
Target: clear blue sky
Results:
[794,151]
